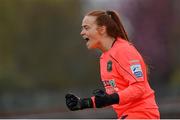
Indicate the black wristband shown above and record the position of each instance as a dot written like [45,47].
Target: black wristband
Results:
[86,103]
[114,98]
[106,100]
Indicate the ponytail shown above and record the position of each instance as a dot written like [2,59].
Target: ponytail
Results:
[116,19]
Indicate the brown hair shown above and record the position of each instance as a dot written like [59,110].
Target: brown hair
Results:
[111,20]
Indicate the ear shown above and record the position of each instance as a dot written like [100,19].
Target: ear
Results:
[101,29]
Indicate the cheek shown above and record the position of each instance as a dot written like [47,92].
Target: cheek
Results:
[93,34]
[94,42]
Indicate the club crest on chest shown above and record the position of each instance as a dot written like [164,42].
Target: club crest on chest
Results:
[109,66]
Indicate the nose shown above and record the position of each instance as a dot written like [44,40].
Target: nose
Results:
[82,32]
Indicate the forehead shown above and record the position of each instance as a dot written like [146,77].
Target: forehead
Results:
[88,20]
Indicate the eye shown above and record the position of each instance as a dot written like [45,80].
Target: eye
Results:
[86,27]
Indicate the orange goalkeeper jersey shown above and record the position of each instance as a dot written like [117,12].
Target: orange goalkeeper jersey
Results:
[124,71]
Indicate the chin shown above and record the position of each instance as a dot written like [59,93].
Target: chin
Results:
[91,46]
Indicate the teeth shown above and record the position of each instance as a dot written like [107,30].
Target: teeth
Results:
[86,38]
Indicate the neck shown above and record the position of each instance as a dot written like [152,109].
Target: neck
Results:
[107,43]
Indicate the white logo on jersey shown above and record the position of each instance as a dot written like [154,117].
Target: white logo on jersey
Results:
[136,70]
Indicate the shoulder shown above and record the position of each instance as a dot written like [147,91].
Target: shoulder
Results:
[124,52]
[123,48]
[129,61]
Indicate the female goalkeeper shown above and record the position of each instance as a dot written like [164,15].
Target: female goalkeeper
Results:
[122,68]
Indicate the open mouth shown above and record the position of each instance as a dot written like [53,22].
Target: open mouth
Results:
[86,38]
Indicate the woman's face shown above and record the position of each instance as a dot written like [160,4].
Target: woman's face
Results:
[90,32]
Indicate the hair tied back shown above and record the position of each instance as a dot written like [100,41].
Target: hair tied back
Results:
[108,13]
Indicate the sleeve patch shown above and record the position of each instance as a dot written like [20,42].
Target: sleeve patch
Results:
[136,70]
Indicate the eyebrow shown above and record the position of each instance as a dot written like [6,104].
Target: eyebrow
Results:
[84,26]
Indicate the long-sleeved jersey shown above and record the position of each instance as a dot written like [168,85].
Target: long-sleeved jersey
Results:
[123,71]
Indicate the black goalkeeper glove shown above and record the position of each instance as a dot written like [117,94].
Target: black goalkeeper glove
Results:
[102,99]
[75,103]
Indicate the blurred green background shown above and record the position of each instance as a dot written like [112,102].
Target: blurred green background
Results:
[43,57]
